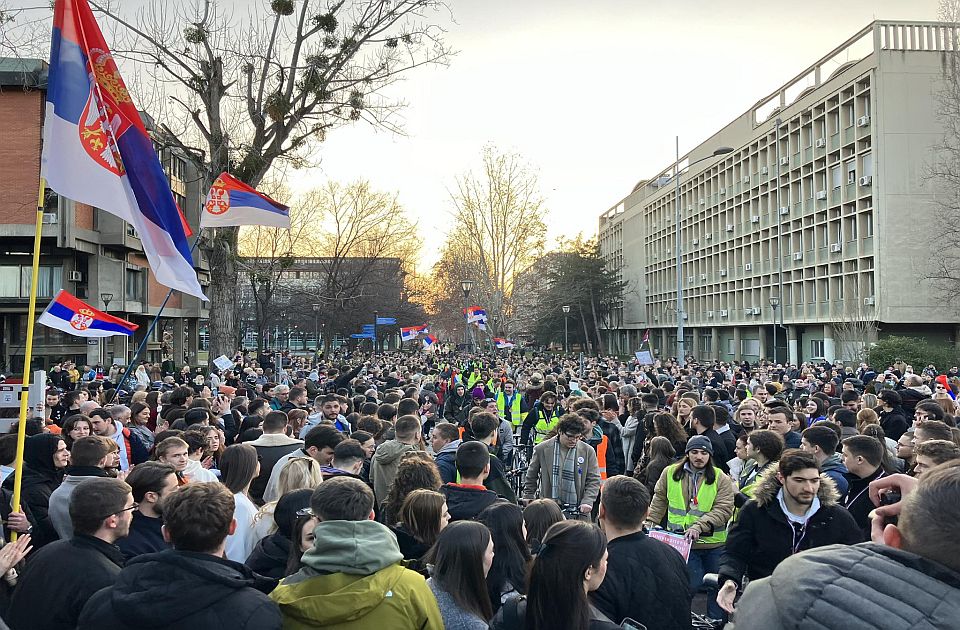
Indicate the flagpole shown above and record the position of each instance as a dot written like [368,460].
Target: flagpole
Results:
[28,355]
[150,329]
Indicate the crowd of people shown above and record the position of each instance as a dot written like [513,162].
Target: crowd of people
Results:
[514,491]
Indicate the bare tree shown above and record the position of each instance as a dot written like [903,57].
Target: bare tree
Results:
[247,95]
[855,325]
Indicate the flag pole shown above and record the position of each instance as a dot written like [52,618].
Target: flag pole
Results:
[150,329]
[28,355]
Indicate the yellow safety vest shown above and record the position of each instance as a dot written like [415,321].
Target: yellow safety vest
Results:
[680,515]
[515,418]
[544,426]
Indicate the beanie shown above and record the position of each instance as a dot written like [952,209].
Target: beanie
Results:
[701,442]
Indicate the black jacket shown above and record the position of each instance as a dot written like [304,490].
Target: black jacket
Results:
[647,582]
[270,556]
[59,579]
[720,454]
[894,422]
[145,536]
[455,407]
[762,537]
[176,590]
[858,501]
[465,502]
[512,616]
[40,479]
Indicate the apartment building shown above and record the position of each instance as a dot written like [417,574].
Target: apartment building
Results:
[89,252]
[812,231]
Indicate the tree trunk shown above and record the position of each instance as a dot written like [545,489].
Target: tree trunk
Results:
[586,331]
[596,324]
[223,293]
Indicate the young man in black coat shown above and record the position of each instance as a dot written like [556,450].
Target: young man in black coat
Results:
[795,510]
[150,482]
[191,585]
[646,580]
[59,579]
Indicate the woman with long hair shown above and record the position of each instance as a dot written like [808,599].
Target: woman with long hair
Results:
[682,409]
[296,418]
[422,517]
[75,427]
[300,473]
[669,427]
[461,560]
[571,563]
[139,419]
[416,470]
[662,454]
[814,410]
[215,447]
[539,516]
[153,401]
[271,554]
[238,467]
[508,575]
[866,416]
[301,540]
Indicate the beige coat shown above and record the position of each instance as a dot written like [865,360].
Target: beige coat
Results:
[715,519]
[541,465]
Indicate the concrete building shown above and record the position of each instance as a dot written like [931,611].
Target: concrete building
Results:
[89,252]
[823,203]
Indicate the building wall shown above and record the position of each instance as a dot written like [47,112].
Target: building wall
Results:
[19,178]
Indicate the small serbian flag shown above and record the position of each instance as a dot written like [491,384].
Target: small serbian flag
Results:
[502,343]
[70,315]
[412,332]
[476,314]
[429,340]
[230,202]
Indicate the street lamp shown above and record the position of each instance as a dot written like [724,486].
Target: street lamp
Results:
[681,354]
[316,324]
[775,303]
[566,338]
[107,298]
[467,286]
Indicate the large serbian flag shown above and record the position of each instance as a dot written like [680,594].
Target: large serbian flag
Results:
[230,202]
[97,151]
[412,332]
[70,315]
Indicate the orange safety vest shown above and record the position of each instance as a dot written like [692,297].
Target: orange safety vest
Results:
[602,456]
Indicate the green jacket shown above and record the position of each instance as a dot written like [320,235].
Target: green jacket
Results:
[353,579]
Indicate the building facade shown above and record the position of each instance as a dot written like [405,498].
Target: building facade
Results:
[84,250]
[812,232]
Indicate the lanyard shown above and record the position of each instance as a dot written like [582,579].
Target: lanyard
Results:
[850,501]
[803,533]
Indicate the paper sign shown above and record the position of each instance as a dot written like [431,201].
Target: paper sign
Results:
[223,363]
[678,541]
[644,357]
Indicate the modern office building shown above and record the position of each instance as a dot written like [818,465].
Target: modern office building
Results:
[819,219]
[91,253]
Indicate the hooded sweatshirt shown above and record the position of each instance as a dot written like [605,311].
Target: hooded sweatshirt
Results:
[40,479]
[446,461]
[383,469]
[352,579]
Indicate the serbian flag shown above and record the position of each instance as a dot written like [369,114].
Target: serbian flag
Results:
[429,340]
[475,314]
[231,202]
[69,314]
[502,343]
[97,151]
[412,332]
[942,380]
[646,336]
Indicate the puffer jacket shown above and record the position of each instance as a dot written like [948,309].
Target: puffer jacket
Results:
[763,537]
[851,587]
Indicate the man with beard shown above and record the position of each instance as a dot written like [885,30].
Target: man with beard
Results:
[795,510]
[150,482]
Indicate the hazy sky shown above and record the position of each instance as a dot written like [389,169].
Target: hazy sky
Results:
[590,93]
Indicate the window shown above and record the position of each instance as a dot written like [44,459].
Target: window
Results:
[705,344]
[49,281]
[851,167]
[750,347]
[867,164]
[10,281]
[134,285]
[731,348]
[835,176]
[816,347]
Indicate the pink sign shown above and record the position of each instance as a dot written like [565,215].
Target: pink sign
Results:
[678,541]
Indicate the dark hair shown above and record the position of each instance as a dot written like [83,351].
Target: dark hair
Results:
[511,557]
[196,441]
[360,436]
[457,559]
[322,435]
[348,450]
[709,473]
[483,424]
[933,408]
[198,516]
[848,396]
[555,595]
[88,451]
[793,459]
[413,472]
[8,448]
[668,426]
[407,426]
[890,397]
[70,423]
[407,407]
[135,409]
[820,406]
[769,443]
[538,516]
[704,415]
[274,422]
[824,437]
[935,429]
[342,499]
[939,451]
[448,431]
[929,517]
[387,412]
[876,432]
[866,447]
[178,397]
[295,555]
[94,500]
[472,458]
[625,501]
[845,417]
[420,514]
[722,416]
[255,405]
[148,477]
[238,467]
[571,423]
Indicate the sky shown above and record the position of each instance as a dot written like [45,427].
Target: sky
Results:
[591,94]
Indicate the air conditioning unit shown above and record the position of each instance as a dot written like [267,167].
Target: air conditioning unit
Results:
[710,314]
[746,179]
[723,313]
[703,276]
[696,241]
[748,311]
[835,247]
[50,218]
[75,276]
[866,180]
[798,255]
[851,177]
[723,191]
[822,194]
[656,318]
[784,161]
[821,142]
[748,267]
[730,227]
[863,121]
[764,170]
[709,237]
[756,310]
[755,218]
[784,209]
[723,272]
[869,301]
[690,279]
[703,202]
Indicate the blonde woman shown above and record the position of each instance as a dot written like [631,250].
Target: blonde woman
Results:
[301,473]
[869,401]
[866,416]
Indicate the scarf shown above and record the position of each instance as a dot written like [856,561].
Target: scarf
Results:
[564,488]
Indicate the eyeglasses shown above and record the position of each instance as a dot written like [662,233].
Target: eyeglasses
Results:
[121,511]
[573,436]
[305,512]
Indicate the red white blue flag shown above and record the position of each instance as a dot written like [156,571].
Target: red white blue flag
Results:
[429,340]
[71,315]
[231,202]
[97,151]
[503,343]
[412,332]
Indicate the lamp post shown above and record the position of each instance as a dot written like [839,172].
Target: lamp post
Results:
[107,298]
[566,338]
[316,325]
[681,354]
[775,304]
[375,315]
[467,286]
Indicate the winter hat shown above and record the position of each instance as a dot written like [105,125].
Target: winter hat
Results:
[701,442]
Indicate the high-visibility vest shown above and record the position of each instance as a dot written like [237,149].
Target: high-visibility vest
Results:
[544,426]
[602,456]
[515,418]
[681,515]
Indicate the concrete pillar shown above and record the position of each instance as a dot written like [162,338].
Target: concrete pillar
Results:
[665,349]
[762,332]
[179,348]
[714,342]
[694,347]
[829,347]
[793,346]
[737,355]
